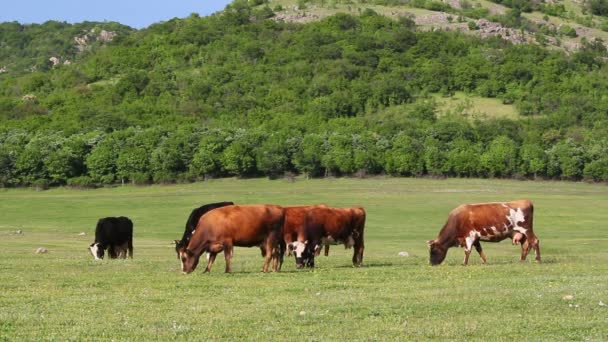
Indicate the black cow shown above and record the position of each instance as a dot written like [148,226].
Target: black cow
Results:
[114,234]
[195,215]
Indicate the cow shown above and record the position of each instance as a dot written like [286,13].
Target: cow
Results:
[324,226]
[114,234]
[237,225]
[468,224]
[195,215]
[293,230]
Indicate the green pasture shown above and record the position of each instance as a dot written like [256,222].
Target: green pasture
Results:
[65,295]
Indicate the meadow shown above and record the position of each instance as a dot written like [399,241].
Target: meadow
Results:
[65,295]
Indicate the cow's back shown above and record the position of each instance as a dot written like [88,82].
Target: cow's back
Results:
[114,230]
[333,222]
[295,218]
[494,220]
[244,225]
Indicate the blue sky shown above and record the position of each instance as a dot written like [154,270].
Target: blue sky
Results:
[135,13]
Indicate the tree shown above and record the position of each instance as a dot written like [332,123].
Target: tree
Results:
[500,159]
[239,157]
[339,154]
[273,156]
[566,160]
[101,162]
[434,157]
[207,158]
[463,158]
[369,152]
[405,157]
[307,159]
[533,160]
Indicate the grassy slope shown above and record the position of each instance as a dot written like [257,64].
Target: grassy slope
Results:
[476,106]
[66,295]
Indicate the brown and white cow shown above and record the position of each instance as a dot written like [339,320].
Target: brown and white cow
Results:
[468,224]
[325,226]
[237,225]
[294,230]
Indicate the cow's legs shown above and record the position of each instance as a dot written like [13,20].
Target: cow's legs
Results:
[358,253]
[326,250]
[213,250]
[210,261]
[269,251]
[527,245]
[112,252]
[480,251]
[525,248]
[468,243]
[536,246]
[228,257]
[130,247]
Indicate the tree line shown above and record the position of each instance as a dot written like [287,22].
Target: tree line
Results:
[237,94]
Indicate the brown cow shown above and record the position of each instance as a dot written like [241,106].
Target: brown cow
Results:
[238,225]
[293,229]
[331,226]
[469,224]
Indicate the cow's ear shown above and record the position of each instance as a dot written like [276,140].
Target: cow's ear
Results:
[290,246]
[176,242]
[430,243]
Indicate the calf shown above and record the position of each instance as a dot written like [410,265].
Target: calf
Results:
[325,226]
[237,225]
[195,215]
[114,234]
[469,224]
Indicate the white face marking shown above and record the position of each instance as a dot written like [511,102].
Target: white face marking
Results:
[94,250]
[515,217]
[182,255]
[298,248]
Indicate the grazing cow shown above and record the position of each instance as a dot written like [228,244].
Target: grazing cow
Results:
[237,225]
[469,224]
[114,234]
[324,226]
[294,230]
[195,215]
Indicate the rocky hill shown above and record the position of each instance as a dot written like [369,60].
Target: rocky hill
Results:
[564,24]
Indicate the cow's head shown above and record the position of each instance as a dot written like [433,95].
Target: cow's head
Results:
[97,250]
[189,260]
[301,250]
[437,252]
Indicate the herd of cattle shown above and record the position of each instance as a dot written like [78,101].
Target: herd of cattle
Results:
[304,230]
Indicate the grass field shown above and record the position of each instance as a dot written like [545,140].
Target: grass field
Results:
[65,295]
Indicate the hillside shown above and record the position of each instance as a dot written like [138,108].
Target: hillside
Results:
[563,24]
[246,93]
[39,47]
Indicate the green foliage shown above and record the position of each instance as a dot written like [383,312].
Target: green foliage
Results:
[500,159]
[238,95]
[597,7]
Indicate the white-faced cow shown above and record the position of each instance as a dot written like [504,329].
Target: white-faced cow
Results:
[294,230]
[195,215]
[469,224]
[324,226]
[114,234]
[236,225]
